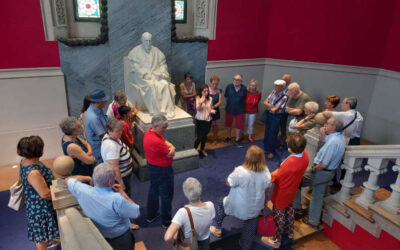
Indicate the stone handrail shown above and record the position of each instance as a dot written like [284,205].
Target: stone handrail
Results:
[378,158]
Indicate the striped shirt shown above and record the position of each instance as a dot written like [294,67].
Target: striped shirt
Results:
[278,99]
[112,149]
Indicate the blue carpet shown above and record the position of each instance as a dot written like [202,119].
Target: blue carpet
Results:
[212,173]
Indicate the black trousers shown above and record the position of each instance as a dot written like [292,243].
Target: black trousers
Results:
[124,242]
[202,128]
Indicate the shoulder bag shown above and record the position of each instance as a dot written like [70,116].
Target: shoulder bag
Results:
[190,243]
[17,196]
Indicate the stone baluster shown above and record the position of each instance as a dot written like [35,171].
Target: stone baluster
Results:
[392,204]
[376,166]
[352,166]
[312,146]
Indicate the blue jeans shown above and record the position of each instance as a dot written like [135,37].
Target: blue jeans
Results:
[161,185]
[272,125]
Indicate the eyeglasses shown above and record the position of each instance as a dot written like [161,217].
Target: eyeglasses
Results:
[238,80]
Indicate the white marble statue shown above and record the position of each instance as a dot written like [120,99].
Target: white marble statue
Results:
[149,76]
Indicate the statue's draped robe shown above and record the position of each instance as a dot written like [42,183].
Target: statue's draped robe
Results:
[151,74]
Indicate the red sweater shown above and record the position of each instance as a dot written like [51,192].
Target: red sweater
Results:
[251,102]
[287,179]
[156,150]
[127,136]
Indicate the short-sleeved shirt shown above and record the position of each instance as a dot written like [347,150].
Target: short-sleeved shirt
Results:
[332,152]
[112,110]
[287,179]
[156,150]
[247,195]
[108,210]
[298,103]
[202,218]
[115,149]
[95,125]
[235,99]
[278,100]
[354,130]
[252,100]
[127,136]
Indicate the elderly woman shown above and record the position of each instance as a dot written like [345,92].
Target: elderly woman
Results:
[310,110]
[120,99]
[287,179]
[249,185]
[36,179]
[116,153]
[202,214]
[78,149]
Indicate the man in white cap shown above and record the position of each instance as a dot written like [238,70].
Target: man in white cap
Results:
[275,103]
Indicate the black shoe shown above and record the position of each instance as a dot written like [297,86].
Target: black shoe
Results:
[238,144]
[227,139]
[299,213]
[152,219]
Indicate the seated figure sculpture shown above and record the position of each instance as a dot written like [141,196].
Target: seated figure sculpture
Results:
[150,77]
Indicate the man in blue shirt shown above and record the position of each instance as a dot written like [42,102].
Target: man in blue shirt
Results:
[325,163]
[107,205]
[95,122]
[235,94]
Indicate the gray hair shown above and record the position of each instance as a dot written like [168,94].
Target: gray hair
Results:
[311,107]
[103,175]
[294,86]
[112,123]
[338,124]
[238,75]
[157,120]
[119,95]
[192,189]
[68,125]
[352,101]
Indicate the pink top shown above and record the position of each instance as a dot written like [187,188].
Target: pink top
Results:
[203,110]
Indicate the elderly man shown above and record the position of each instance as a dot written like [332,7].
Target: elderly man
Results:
[107,205]
[159,155]
[351,119]
[275,103]
[95,121]
[150,72]
[325,163]
[235,94]
[288,79]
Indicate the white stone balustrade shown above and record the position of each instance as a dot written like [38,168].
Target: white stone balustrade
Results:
[392,204]
[352,166]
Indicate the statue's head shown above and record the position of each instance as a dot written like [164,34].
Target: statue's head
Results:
[146,41]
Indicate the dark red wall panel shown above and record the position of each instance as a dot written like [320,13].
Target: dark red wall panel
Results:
[23,44]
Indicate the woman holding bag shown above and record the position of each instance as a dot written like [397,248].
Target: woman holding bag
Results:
[202,214]
[287,180]
[36,179]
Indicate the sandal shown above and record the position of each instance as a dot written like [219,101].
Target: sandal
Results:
[215,231]
[270,242]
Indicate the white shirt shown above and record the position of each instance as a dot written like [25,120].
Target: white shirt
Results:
[354,130]
[113,150]
[110,112]
[247,195]
[202,218]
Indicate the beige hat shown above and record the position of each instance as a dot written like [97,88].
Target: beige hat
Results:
[280,82]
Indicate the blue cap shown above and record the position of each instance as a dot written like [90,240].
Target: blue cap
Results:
[98,95]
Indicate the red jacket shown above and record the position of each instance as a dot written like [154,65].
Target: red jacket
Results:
[251,102]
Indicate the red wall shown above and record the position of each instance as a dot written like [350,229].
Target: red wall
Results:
[391,58]
[24,45]
[339,32]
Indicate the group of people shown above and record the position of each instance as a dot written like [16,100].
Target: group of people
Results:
[106,140]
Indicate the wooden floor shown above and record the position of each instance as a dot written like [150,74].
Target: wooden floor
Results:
[9,175]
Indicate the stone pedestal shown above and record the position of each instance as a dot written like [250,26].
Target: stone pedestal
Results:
[180,133]
[313,144]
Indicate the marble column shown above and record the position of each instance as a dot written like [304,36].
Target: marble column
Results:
[392,204]
[376,166]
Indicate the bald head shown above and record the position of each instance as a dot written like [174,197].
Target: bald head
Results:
[294,90]
[146,41]
[287,78]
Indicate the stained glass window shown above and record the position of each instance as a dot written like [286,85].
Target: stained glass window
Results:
[180,11]
[87,10]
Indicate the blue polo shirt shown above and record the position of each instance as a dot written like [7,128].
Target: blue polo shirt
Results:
[108,210]
[95,125]
[332,152]
[235,101]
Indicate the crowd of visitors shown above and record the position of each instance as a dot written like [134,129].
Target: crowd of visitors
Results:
[106,140]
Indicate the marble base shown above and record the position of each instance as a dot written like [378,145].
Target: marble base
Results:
[180,133]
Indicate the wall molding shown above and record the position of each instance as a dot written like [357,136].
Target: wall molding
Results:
[30,72]
[302,64]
